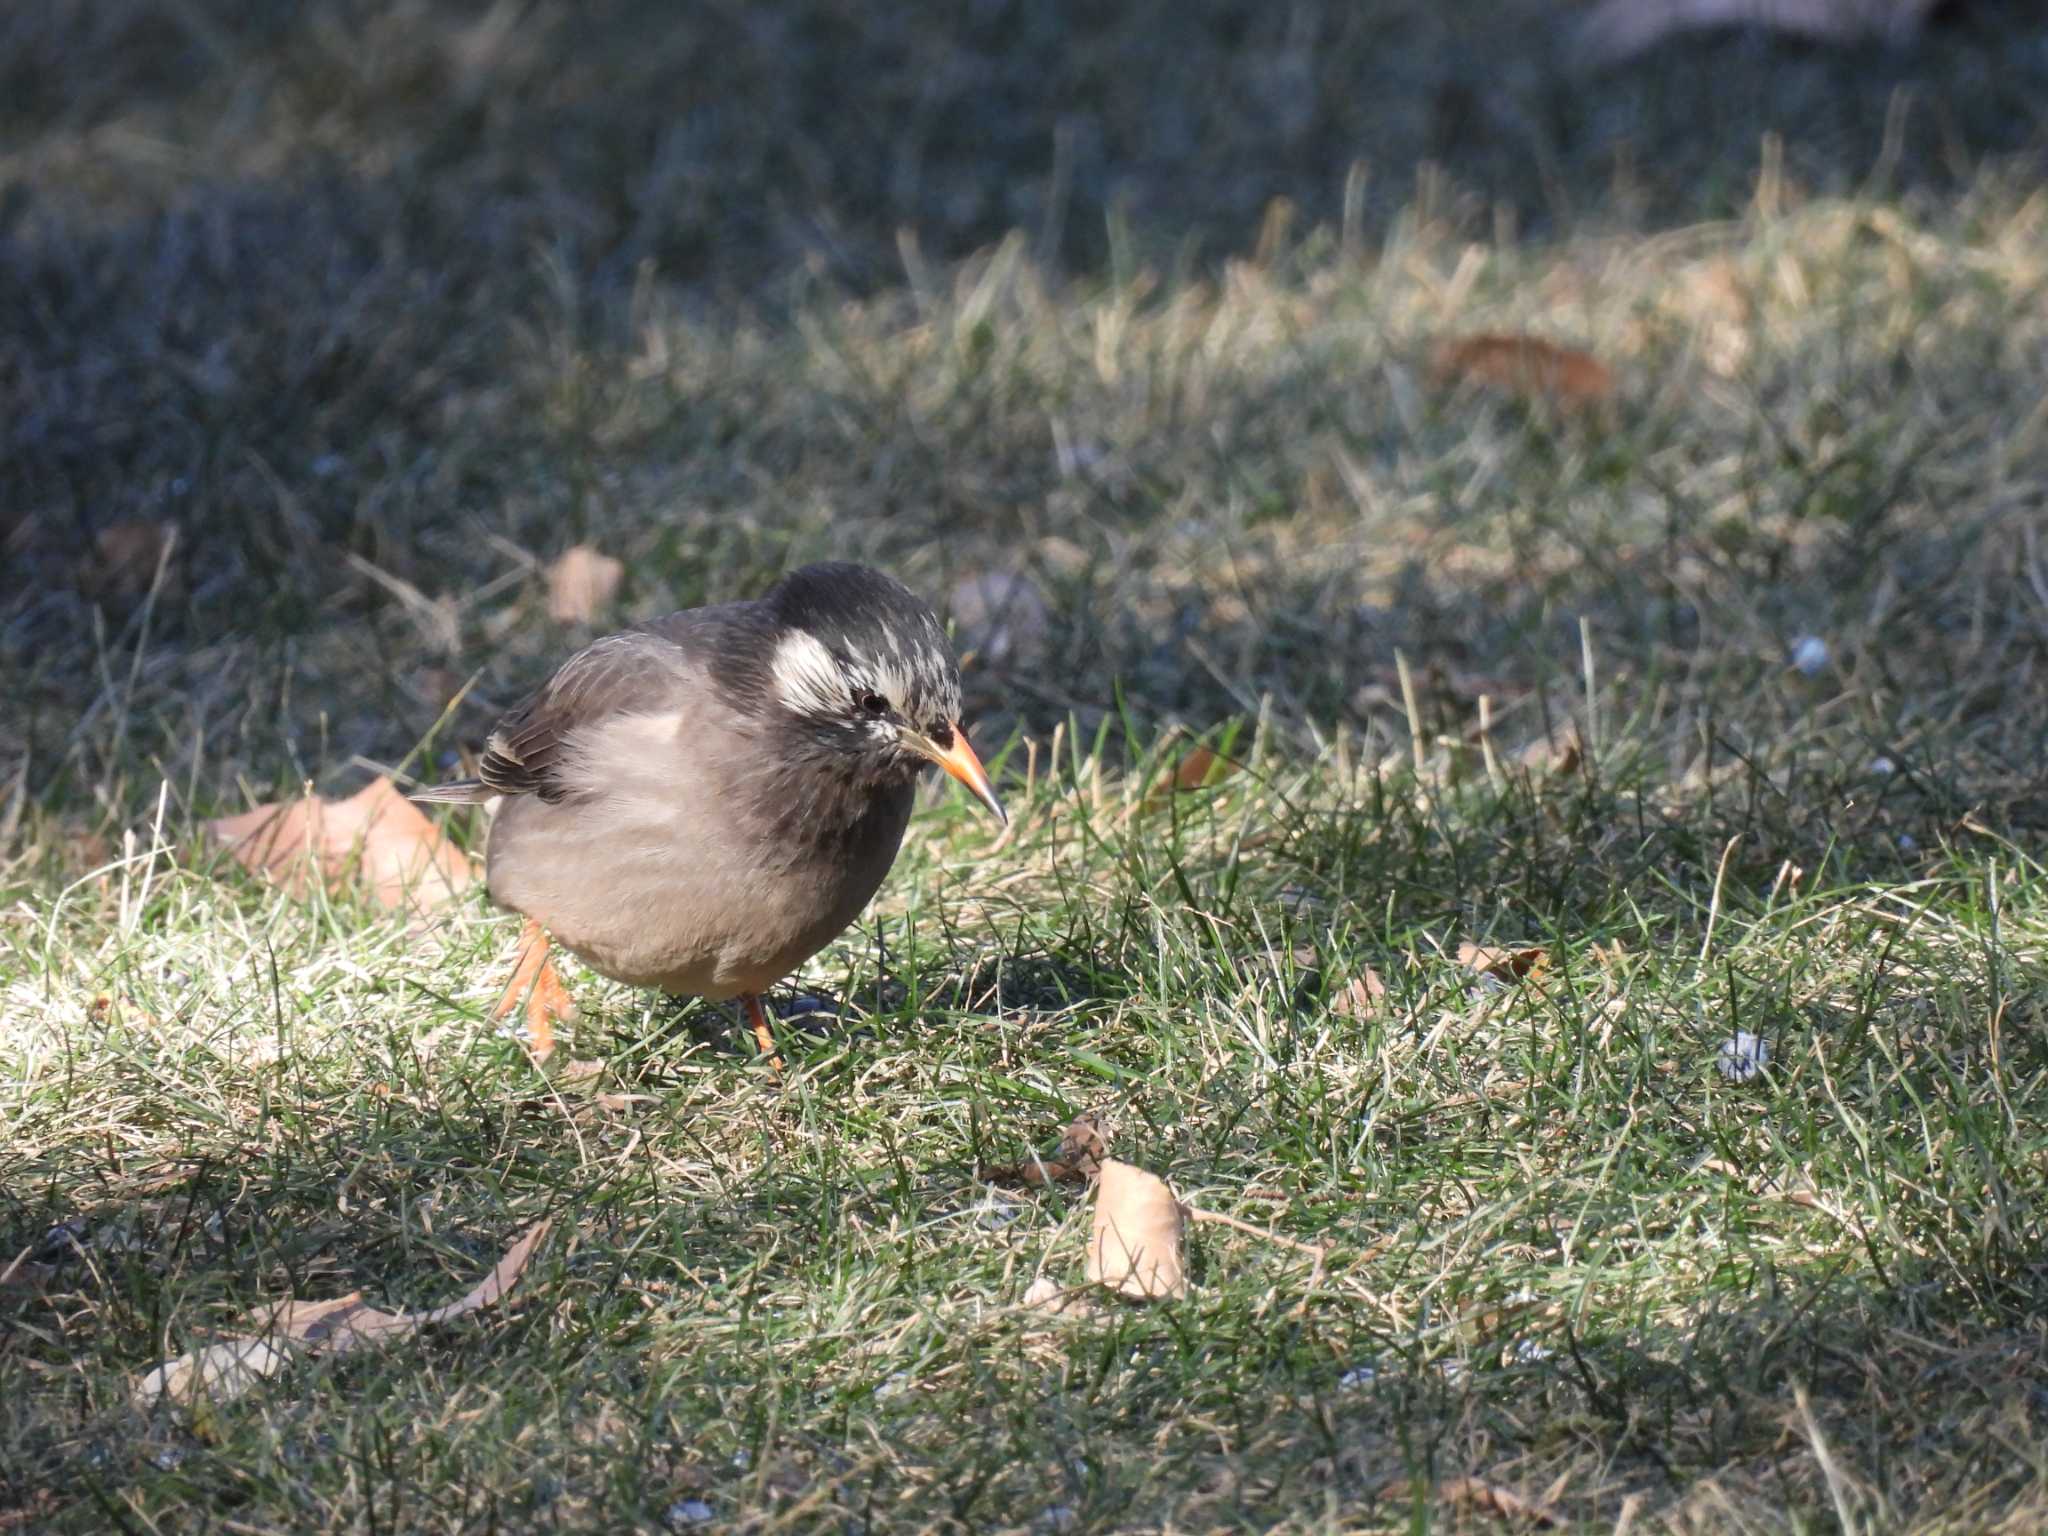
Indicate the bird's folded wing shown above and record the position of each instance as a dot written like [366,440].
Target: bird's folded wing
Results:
[621,674]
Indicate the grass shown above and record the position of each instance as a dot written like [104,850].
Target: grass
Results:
[384,309]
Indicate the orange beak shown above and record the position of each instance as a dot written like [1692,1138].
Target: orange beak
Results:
[959,760]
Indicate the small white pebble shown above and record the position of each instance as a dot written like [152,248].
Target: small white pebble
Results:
[1742,1056]
[1882,767]
[688,1512]
[1528,1352]
[1809,654]
[1357,1377]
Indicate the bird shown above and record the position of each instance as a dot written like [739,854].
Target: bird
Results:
[702,802]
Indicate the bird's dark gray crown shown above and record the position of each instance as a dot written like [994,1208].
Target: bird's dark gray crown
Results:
[843,630]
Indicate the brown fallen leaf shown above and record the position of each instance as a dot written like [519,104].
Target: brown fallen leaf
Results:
[35,1512]
[1200,768]
[1525,366]
[376,837]
[581,584]
[26,1275]
[1471,1493]
[1078,1157]
[1361,997]
[1135,1247]
[1047,1295]
[1616,30]
[1502,964]
[212,1375]
[1558,757]
[125,557]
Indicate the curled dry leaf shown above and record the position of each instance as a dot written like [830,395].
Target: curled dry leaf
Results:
[125,557]
[1362,997]
[1135,1247]
[581,584]
[1615,30]
[26,1275]
[1199,769]
[1047,1295]
[1502,964]
[376,836]
[1525,366]
[1558,756]
[213,1375]
[1079,1156]
[1471,1493]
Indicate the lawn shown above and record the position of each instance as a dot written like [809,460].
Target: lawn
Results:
[1710,697]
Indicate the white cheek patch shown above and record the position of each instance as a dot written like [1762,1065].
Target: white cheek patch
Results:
[806,675]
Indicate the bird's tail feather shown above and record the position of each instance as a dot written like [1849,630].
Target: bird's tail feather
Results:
[455,792]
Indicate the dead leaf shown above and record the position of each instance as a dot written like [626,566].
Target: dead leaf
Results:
[218,1372]
[581,584]
[1525,366]
[376,837]
[26,1275]
[576,1072]
[1616,30]
[1502,964]
[1046,1294]
[1135,1247]
[210,1376]
[1079,1155]
[1199,769]
[1361,997]
[40,1506]
[125,557]
[1558,757]
[1471,1493]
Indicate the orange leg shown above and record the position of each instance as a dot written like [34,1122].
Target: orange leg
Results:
[764,1036]
[534,979]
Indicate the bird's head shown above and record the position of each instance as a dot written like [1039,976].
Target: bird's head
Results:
[862,665]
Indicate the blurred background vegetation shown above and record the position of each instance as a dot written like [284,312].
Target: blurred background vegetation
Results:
[442,286]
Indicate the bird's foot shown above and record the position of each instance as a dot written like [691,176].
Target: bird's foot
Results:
[764,1033]
[535,980]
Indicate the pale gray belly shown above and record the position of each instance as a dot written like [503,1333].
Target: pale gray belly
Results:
[654,898]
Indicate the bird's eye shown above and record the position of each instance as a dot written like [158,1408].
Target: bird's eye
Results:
[874,704]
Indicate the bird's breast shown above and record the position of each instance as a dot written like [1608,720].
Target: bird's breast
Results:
[705,894]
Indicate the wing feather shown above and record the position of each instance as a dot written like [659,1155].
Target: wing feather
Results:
[639,670]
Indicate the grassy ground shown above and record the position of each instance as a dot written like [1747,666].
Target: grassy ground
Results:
[384,308]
